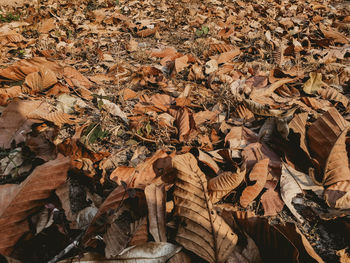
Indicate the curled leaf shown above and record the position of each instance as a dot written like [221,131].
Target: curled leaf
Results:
[224,183]
[258,174]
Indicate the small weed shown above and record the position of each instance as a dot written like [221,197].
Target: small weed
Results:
[202,32]
[9,17]
[93,133]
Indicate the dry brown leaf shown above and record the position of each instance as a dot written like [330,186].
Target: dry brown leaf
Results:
[181,63]
[39,81]
[271,202]
[224,183]
[258,174]
[110,205]
[21,69]
[221,48]
[152,252]
[298,125]
[184,122]
[139,229]
[142,175]
[15,121]
[329,93]
[206,159]
[17,202]
[338,195]
[58,118]
[313,84]
[155,197]
[201,230]
[334,35]
[229,55]
[327,142]
[260,109]
[277,241]
[46,25]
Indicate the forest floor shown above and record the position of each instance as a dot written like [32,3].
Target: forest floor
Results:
[174,131]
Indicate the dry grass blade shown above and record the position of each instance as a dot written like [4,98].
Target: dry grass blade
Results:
[258,174]
[155,196]
[19,201]
[224,183]
[201,229]
[327,141]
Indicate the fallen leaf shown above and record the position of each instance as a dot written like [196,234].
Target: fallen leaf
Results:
[259,175]
[223,184]
[150,252]
[155,196]
[202,231]
[19,201]
[313,84]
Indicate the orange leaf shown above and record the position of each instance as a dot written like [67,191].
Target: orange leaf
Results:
[258,174]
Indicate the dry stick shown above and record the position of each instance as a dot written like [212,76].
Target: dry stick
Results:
[65,251]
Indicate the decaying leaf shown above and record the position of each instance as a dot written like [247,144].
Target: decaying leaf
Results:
[202,230]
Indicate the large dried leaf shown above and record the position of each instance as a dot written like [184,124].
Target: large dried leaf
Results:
[15,122]
[17,202]
[223,184]
[21,69]
[155,196]
[39,81]
[277,241]
[201,229]
[259,175]
[327,142]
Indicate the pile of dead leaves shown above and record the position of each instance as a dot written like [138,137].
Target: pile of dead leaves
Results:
[175,131]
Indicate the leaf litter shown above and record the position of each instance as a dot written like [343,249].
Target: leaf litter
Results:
[179,131]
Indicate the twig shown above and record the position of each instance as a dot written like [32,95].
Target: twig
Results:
[65,251]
